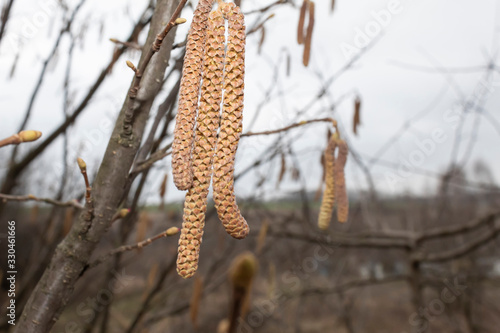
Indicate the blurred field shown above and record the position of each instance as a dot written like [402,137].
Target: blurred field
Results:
[352,290]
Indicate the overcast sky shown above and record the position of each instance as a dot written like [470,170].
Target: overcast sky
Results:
[428,58]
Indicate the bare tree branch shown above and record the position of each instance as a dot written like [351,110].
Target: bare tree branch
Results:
[41,76]
[15,170]
[54,289]
[284,129]
[29,197]
[167,233]
[5,17]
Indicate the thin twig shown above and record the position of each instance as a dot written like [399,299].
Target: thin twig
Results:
[30,197]
[284,129]
[140,245]
[41,76]
[465,249]
[349,285]
[266,8]
[260,25]
[146,164]
[17,169]
[130,45]
[5,17]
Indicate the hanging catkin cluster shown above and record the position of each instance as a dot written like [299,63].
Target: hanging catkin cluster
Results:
[199,154]
[335,183]
[188,97]
[206,134]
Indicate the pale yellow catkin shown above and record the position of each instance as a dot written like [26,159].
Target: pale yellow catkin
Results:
[328,201]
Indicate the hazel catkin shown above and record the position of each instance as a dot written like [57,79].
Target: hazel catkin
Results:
[231,126]
[195,204]
[300,25]
[182,145]
[328,202]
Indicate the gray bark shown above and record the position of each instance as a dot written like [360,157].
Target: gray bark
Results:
[54,289]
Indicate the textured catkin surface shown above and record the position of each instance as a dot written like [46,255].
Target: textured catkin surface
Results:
[328,202]
[340,188]
[231,125]
[188,97]
[206,134]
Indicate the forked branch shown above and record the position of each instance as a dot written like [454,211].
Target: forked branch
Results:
[155,47]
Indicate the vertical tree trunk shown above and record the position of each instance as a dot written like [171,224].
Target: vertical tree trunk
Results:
[54,289]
